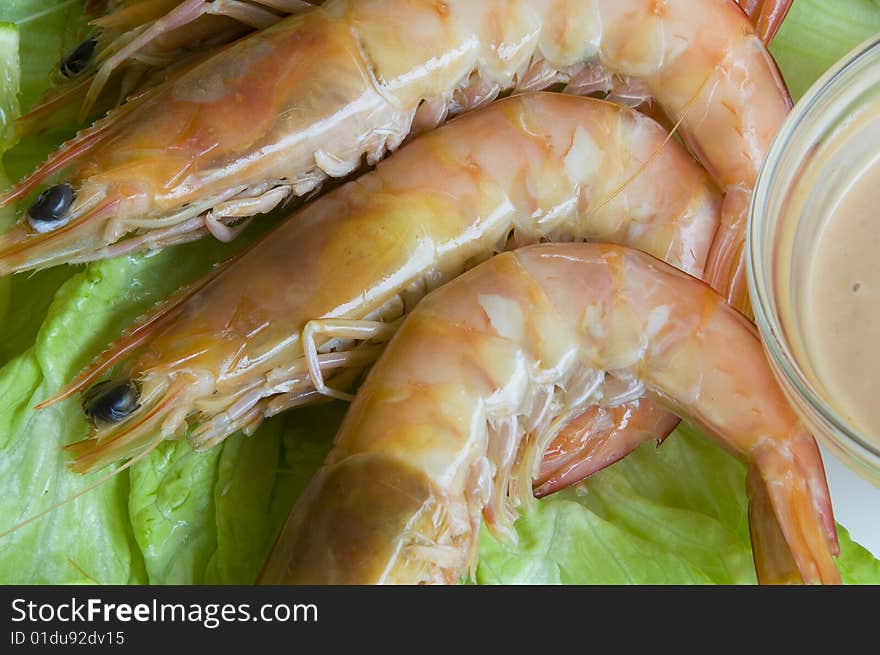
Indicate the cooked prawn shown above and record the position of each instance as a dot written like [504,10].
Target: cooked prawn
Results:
[138,42]
[598,438]
[767,15]
[135,39]
[304,311]
[275,114]
[449,426]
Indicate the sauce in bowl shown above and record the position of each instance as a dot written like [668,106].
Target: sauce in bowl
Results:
[842,304]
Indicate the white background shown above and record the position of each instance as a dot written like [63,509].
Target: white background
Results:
[856,503]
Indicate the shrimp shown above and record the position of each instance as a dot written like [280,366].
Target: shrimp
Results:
[137,38]
[140,41]
[275,114]
[449,426]
[306,309]
[598,438]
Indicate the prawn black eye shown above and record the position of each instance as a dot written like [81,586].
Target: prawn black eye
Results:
[112,402]
[76,60]
[49,209]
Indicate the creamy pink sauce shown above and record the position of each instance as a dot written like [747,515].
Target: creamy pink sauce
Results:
[842,305]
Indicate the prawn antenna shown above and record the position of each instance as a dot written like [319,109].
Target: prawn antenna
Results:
[656,152]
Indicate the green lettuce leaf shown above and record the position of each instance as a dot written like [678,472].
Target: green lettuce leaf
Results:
[27,301]
[817,34]
[673,515]
[91,538]
[212,517]
[47,29]
[251,503]
[10,82]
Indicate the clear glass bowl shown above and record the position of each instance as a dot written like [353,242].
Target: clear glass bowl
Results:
[832,133]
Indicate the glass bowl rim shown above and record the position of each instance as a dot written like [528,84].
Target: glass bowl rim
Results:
[757,271]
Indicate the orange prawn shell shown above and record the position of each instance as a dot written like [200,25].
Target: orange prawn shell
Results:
[225,116]
[532,167]
[452,402]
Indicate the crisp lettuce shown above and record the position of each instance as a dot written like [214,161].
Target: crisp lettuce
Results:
[48,28]
[91,538]
[212,517]
[673,515]
[817,33]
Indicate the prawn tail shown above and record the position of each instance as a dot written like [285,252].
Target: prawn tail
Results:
[725,268]
[773,559]
[793,535]
[766,16]
[597,439]
[162,415]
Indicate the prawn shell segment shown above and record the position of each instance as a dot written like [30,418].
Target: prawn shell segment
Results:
[489,367]
[525,169]
[273,115]
[399,501]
